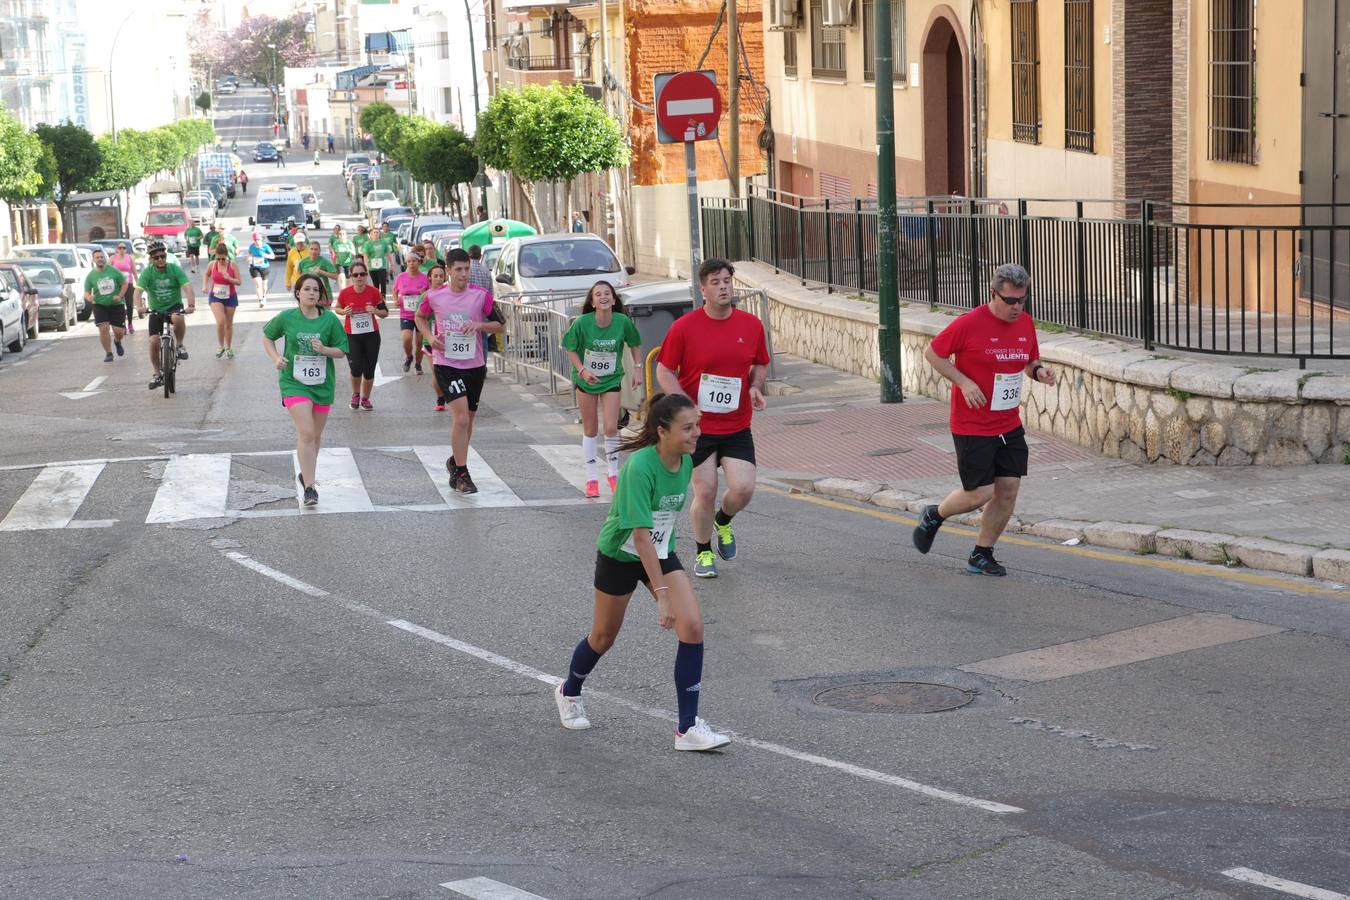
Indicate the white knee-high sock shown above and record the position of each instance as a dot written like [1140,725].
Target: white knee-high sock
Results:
[612,454]
[588,456]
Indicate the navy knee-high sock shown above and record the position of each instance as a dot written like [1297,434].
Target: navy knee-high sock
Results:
[583,660]
[688,681]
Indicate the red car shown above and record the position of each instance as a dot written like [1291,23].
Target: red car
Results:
[13,278]
[167,224]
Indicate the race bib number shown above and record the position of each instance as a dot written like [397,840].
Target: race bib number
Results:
[411,302]
[663,526]
[106,286]
[377,262]
[362,323]
[309,370]
[600,364]
[458,346]
[1007,391]
[220,291]
[719,393]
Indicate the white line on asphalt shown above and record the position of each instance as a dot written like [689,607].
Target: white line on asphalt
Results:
[566,461]
[1295,888]
[487,889]
[492,491]
[249,562]
[869,774]
[93,385]
[343,491]
[195,486]
[53,498]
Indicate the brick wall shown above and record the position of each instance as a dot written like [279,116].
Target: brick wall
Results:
[669,36]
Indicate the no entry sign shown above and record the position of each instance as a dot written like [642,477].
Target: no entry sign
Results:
[688,106]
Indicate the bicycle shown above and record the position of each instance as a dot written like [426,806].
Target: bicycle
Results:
[168,357]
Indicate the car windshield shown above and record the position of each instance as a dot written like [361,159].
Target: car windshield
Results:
[566,257]
[381,196]
[396,212]
[200,201]
[309,198]
[164,218]
[64,257]
[490,255]
[274,213]
[353,160]
[44,275]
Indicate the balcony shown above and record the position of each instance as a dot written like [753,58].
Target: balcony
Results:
[551,63]
[522,70]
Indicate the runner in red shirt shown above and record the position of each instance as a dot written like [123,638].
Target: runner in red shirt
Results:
[362,308]
[986,354]
[718,356]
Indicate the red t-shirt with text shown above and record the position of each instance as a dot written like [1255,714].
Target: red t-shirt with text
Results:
[699,345]
[988,349]
[357,301]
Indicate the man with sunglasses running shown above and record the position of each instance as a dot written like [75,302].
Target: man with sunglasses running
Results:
[987,354]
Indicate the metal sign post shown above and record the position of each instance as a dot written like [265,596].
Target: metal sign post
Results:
[688,107]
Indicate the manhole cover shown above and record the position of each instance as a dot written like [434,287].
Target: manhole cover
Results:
[894,697]
[888,451]
[802,422]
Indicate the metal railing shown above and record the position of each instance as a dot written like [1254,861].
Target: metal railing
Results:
[548,63]
[535,325]
[1193,277]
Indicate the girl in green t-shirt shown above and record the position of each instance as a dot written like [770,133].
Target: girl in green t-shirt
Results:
[595,344]
[314,338]
[637,543]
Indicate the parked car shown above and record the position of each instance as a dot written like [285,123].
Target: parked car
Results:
[56,293]
[167,224]
[265,151]
[13,316]
[391,213]
[376,200]
[558,262]
[423,225]
[228,87]
[355,159]
[32,305]
[75,261]
[446,240]
[217,190]
[311,201]
[490,254]
[201,206]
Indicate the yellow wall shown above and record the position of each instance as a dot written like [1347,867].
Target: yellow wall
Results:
[1279,109]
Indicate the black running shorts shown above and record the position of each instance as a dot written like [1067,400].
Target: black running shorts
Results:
[157,319]
[619,579]
[455,383]
[116,316]
[737,445]
[981,459]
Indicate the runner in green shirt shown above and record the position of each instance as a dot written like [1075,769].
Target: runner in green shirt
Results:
[377,250]
[106,287]
[162,284]
[315,263]
[314,338]
[637,544]
[342,250]
[193,236]
[595,344]
[211,237]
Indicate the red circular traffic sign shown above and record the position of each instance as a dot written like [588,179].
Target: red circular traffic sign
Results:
[689,106]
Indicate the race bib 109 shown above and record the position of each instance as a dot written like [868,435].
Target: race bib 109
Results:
[719,393]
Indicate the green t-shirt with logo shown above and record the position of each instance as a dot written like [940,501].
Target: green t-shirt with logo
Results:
[377,249]
[601,349]
[428,265]
[648,496]
[342,250]
[313,374]
[163,290]
[193,236]
[212,237]
[105,286]
[309,265]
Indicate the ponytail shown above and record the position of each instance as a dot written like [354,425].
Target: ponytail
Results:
[659,412]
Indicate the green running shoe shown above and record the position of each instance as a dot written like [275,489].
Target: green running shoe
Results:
[726,541]
[704,565]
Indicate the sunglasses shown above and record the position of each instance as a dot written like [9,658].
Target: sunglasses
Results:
[121,246]
[358,274]
[158,256]
[1011,301]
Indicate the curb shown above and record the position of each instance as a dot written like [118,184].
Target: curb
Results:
[1261,554]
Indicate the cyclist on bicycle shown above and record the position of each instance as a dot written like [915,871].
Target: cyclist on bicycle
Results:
[163,285]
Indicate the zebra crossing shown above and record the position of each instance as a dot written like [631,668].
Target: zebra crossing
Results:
[198,486]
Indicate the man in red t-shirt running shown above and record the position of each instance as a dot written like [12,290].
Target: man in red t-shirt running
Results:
[986,354]
[717,355]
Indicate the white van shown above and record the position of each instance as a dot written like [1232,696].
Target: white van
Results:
[274,208]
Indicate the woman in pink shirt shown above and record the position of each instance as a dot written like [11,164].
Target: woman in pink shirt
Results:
[409,287]
[125,263]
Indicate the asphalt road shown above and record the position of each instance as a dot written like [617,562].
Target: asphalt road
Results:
[216,695]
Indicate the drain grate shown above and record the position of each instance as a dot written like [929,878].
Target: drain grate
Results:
[894,697]
[888,451]
[803,422]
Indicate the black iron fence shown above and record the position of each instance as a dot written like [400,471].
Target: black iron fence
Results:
[1255,280]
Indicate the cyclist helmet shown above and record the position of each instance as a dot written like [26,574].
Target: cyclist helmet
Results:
[290,220]
[156,247]
[138,245]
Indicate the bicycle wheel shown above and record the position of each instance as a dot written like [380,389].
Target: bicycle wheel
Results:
[167,359]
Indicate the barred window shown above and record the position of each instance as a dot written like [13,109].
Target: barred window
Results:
[789,53]
[869,15]
[1026,73]
[1078,108]
[1232,81]
[827,45]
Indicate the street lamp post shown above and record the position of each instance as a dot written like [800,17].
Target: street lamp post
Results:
[112,55]
[480,180]
[276,88]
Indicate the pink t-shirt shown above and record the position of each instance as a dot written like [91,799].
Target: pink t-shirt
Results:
[408,290]
[125,264]
[449,311]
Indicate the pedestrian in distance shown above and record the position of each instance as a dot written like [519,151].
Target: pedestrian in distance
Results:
[463,313]
[637,544]
[313,339]
[409,287]
[361,306]
[281,158]
[718,356]
[124,262]
[105,287]
[243,181]
[304,140]
[330,144]
[260,256]
[316,157]
[596,343]
[987,354]
[221,286]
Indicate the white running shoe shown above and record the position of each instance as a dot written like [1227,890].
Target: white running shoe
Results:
[571,711]
[700,737]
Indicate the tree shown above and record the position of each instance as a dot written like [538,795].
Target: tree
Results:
[77,158]
[123,165]
[372,114]
[442,155]
[246,50]
[204,102]
[20,155]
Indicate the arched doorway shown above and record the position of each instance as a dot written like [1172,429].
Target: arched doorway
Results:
[943,82]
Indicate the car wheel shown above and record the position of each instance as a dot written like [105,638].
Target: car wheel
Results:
[85,313]
[34,328]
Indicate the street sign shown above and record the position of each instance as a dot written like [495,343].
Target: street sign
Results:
[374,173]
[688,106]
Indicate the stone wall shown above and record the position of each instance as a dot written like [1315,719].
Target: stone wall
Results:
[1117,399]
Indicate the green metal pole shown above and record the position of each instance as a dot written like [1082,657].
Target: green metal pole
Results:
[888,296]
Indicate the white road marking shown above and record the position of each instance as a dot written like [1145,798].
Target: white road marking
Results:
[94,385]
[527,671]
[249,562]
[566,461]
[492,491]
[193,487]
[1294,888]
[487,889]
[339,480]
[53,498]
[381,378]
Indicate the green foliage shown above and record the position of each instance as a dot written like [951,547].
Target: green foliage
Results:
[124,164]
[562,133]
[1179,395]
[442,155]
[372,114]
[496,126]
[20,155]
[76,155]
[204,101]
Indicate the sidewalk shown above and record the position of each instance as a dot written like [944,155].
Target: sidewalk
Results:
[828,431]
